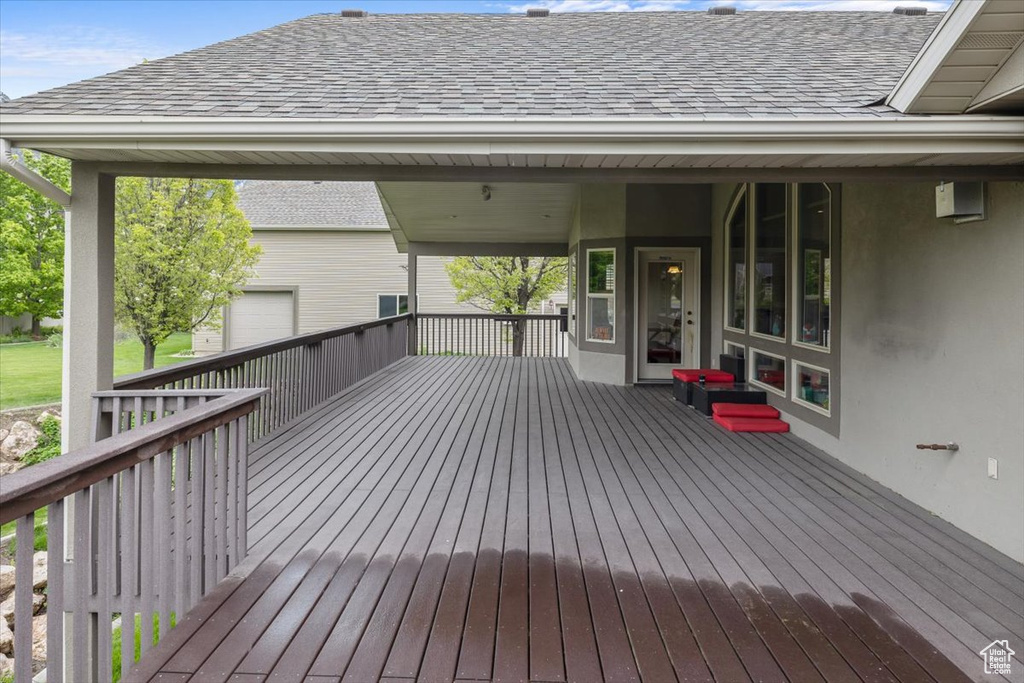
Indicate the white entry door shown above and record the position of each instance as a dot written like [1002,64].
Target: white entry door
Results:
[668,322]
[257,317]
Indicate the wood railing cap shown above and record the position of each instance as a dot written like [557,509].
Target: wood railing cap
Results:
[29,489]
[191,368]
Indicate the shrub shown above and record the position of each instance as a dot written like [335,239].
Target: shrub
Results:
[55,340]
[49,443]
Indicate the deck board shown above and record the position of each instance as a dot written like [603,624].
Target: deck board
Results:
[482,519]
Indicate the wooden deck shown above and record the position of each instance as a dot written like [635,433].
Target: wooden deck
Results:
[495,519]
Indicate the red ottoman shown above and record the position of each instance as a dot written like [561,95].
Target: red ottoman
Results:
[751,424]
[761,410]
[682,377]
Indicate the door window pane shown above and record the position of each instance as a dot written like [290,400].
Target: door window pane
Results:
[814,264]
[736,269]
[664,312]
[768,370]
[770,260]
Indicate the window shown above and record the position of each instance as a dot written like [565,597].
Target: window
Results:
[572,293]
[810,386]
[769,275]
[768,371]
[601,295]
[392,304]
[813,281]
[736,266]
[737,350]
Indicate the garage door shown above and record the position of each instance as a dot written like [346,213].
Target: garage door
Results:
[257,317]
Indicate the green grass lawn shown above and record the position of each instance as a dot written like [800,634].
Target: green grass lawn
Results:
[30,373]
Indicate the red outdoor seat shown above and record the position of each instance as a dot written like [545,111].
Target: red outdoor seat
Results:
[718,376]
[751,424]
[760,410]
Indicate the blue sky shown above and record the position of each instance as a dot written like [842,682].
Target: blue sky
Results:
[47,43]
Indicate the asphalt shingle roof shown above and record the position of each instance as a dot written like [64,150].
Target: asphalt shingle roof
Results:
[658,64]
[311,204]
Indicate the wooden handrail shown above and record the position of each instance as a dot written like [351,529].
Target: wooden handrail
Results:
[34,487]
[494,316]
[157,377]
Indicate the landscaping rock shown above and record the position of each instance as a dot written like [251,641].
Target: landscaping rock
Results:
[22,439]
[39,638]
[6,638]
[3,434]
[45,414]
[6,580]
[7,467]
[6,665]
[7,607]
[39,570]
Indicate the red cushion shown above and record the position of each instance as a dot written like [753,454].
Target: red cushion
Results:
[744,410]
[751,424]
[709,375]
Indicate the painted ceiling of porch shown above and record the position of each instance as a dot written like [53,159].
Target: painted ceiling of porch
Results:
[539,213]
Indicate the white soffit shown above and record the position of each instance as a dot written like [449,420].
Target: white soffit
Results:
[461,212]
[970,63]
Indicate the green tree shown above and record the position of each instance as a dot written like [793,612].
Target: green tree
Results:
[182,254]
[32,243]
[507,284]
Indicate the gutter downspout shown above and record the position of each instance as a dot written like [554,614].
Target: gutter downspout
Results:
[12,165]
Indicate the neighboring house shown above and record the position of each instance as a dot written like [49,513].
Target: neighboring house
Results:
[835,196]
[328,260]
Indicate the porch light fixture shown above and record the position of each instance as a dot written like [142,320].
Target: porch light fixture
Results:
[674,270]
[486,192]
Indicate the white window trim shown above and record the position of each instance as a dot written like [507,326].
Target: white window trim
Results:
[752,371]
[797,278]
[752,264]
[726,344]
[727,304]
[588,296]
[796,386]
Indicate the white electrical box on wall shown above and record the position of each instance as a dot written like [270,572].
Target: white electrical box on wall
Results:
[960,200]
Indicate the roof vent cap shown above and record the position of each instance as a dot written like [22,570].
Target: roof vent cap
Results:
[354,13]
[721,11]
[915,11]
[538,12]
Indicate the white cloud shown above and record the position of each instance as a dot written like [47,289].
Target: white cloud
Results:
[30,62]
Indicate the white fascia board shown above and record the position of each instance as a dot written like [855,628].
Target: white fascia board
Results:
[479,136]
[947,35]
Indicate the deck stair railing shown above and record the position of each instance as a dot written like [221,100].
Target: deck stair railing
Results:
[298,372]
[491,334]
[159,517]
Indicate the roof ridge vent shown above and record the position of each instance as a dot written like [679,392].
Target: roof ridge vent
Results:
[915,11]
[721,10]
[354,13]
[538,12]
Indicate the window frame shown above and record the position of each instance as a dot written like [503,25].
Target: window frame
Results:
[752,371]
[602,295]
[743,193]
[797,279]
[794,395]
[397,304]
[727,351]
[572,276]
[752,262]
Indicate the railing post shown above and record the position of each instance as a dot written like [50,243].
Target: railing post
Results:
[412,304]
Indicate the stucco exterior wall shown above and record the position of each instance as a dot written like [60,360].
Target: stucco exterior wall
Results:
[339,275]
[933,351]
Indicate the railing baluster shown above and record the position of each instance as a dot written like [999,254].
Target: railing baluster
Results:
[80,618]
[146,575]
[129,567]
[55,592]
[221,487]
[105,575]
[24,543]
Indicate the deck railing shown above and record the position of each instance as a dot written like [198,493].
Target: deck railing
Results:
[489,334]
[159,517]
[298,372]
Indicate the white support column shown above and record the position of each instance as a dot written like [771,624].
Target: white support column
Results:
[413,305]
[88,301]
